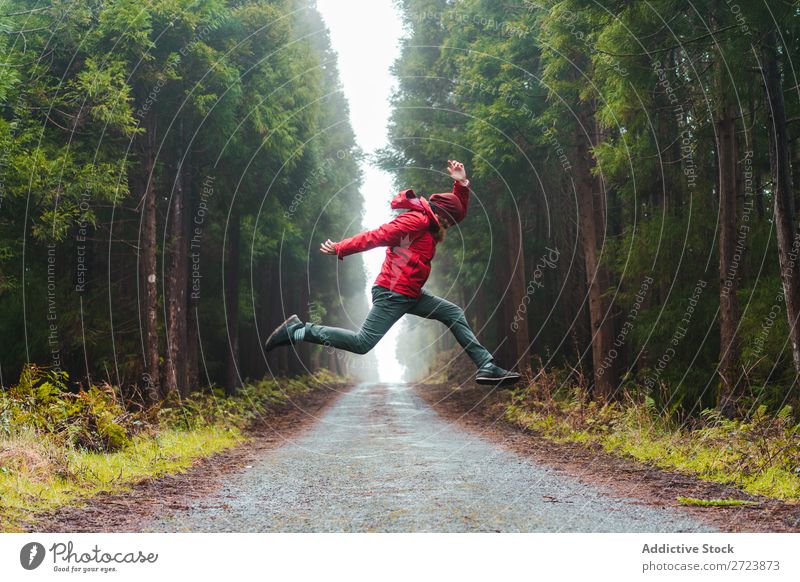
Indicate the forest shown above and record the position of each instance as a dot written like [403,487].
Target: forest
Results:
[168,167]
[635,167]
[171,169]
[163,167]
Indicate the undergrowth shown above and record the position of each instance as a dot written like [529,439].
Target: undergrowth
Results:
[59,447]
[760,454]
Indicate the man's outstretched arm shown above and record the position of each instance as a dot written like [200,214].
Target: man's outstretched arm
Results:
[460,182]
[387,235]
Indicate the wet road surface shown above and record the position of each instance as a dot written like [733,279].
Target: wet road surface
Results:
[380,459]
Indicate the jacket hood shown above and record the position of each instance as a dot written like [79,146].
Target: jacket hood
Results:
[408,200]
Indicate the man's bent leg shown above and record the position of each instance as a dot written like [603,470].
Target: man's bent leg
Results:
[432,307]
[387,308]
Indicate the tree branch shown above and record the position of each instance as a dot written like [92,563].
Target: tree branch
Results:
[679,45]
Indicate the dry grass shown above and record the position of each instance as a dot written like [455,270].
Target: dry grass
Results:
[41,471]
[759,454]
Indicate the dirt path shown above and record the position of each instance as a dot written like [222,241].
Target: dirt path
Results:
[381,459]
[481,412]
[130,511]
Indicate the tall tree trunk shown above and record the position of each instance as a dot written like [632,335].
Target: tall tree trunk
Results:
[519,339]
[301,350]
[729,304]
[277,360]
[231,276]
[479,310]
[176,287]
[755,169]
[192,345]
[147,249]
[783,194]
[264,316]
[602,222]
[590,216]
[568,314]
[504,316]
[192,303]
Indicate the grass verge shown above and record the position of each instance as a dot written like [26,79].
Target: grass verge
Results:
[46,463]
[759,455]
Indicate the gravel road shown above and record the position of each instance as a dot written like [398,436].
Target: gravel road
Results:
[380,459]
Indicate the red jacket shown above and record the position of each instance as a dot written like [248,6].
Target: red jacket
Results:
[409,239]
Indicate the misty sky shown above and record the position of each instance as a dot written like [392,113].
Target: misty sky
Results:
[365,35]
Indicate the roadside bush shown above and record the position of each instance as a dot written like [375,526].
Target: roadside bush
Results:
[96,420]
[253,400]
[755,444]
[92,419]
[760,453]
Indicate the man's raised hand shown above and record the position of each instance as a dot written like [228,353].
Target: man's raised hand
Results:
[328,247]
[457,171]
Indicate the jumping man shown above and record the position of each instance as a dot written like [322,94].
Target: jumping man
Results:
[411,240]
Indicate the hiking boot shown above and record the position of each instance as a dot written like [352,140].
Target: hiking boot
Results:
[283,334]
[490,373]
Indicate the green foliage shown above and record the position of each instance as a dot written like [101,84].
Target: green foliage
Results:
[40,475]
[92,419]
[241,93]
[760,454]
[516,90]
[55,446]
[252,401]
[103,92]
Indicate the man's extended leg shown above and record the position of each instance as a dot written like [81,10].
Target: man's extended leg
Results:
[432,307]
[387,308]
[452,316]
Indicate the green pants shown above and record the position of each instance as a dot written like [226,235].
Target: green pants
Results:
[389,306]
